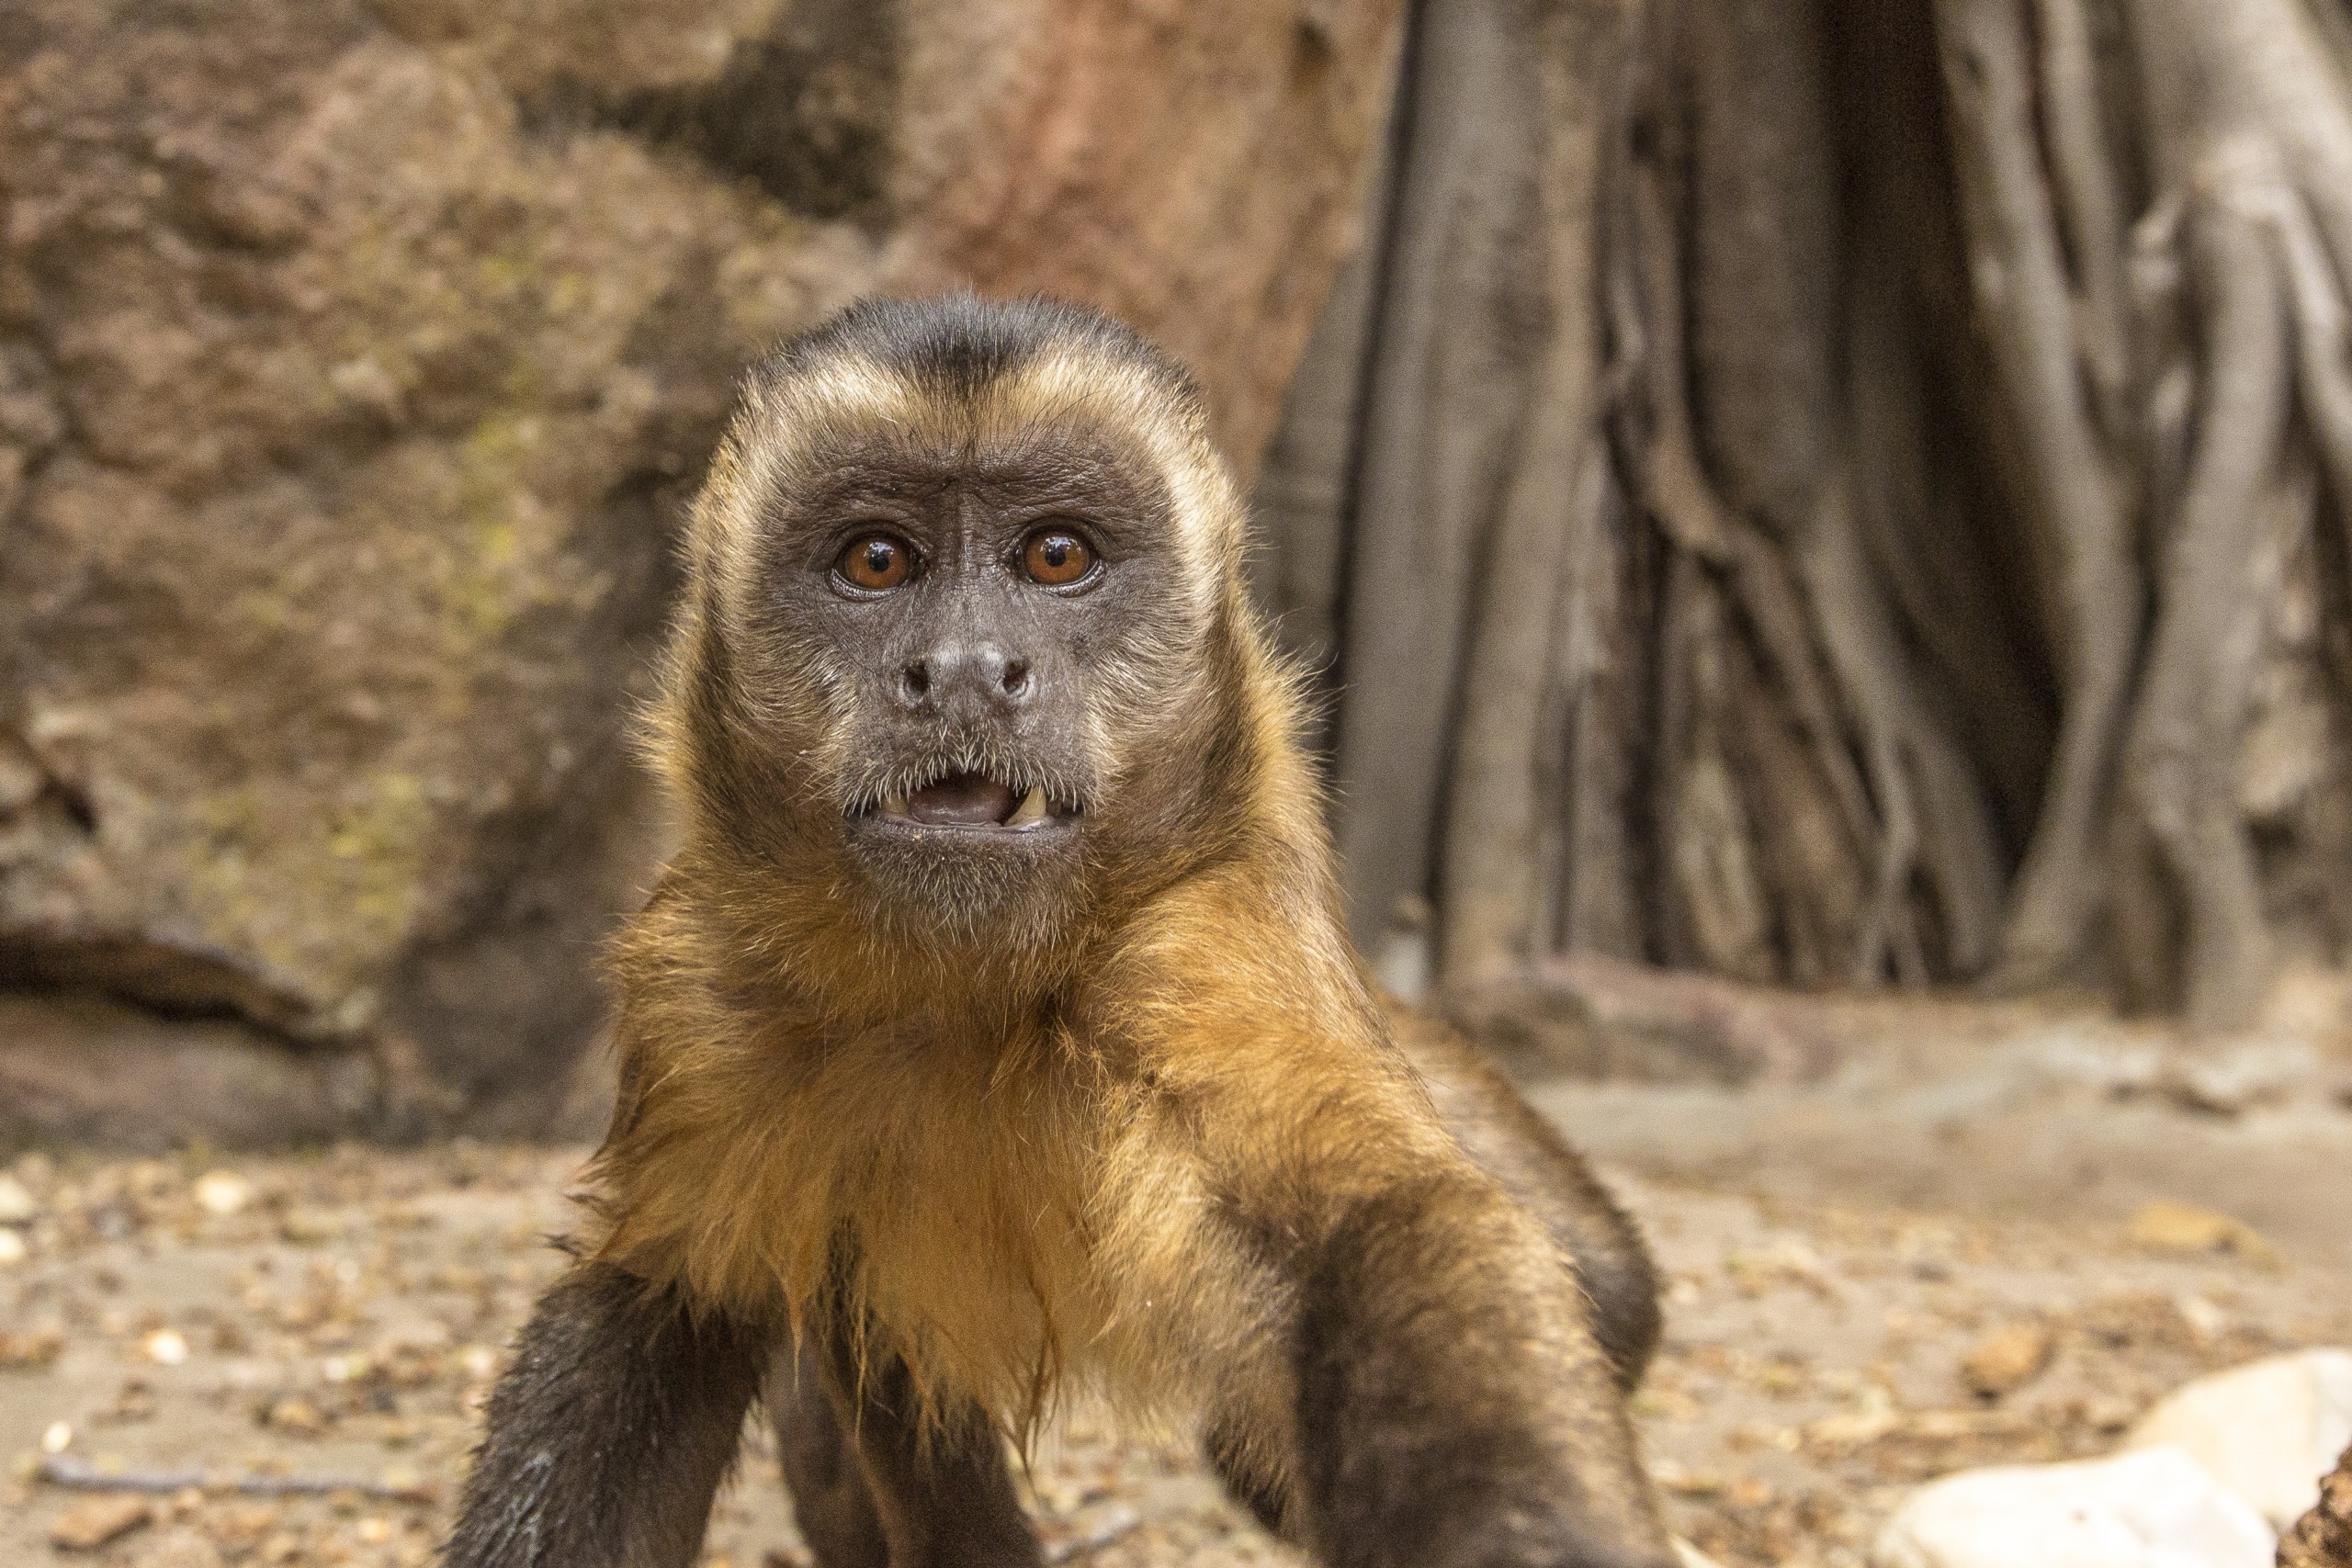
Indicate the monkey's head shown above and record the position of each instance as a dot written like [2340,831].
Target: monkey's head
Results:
[965,642]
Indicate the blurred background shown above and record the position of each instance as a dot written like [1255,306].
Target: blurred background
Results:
[1819,493]
[1823,529]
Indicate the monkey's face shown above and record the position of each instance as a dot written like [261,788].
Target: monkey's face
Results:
[993,633]
[966,623]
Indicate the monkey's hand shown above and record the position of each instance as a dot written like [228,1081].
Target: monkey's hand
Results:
[610,1433]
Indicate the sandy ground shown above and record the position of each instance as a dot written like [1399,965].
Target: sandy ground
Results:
[1941,1182]
[345,1322]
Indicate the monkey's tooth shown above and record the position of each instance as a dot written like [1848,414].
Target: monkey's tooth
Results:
[894,805]
[1031,809]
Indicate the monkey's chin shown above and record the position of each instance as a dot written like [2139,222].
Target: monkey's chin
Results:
[968,885]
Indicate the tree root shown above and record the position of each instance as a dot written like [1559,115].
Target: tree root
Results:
[2226,552]
[1910,813]
[2074,492]
[2251,145]
[2253,135]
[1974,459]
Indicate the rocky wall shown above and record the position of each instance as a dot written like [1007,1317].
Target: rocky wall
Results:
[355,362]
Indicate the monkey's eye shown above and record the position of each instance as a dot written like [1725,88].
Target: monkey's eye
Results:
[877,562]
[1056,556]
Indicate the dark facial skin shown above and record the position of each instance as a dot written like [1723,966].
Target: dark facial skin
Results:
[970,613]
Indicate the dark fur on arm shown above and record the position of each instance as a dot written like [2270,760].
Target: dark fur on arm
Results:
[871,1487]
[609,1435]
[1456,1411]
[1612,1264]
[1520,1149]
[830,1500]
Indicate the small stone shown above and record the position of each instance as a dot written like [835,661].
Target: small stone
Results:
[298,1416]
[2167,1226]
[223,1192]
[2008,1358]
[1683,1482]
[311,1227]
[2204,1319]
[1690,1556]
[2108,1412]
[58,1437]
[87,1525]
[180,1547]
[2267,1430]
[2156,1508]
[165,1348]
[17,1205]
[1853,1428]
[243,1526]
[13,1250]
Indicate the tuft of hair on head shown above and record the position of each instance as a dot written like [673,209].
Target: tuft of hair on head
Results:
[957,342]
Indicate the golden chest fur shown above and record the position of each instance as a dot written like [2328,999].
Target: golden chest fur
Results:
[1006,1216]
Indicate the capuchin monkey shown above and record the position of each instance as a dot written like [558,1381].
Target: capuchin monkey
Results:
[994,1039]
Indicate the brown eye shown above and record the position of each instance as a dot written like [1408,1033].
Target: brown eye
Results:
[875,562]
[1056,556]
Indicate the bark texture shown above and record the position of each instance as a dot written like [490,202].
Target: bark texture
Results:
[355,358]
[1846,491]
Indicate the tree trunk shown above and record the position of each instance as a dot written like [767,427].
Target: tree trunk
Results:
[1846,490]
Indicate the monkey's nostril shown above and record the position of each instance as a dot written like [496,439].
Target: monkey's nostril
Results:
[1016,678]
[915,680]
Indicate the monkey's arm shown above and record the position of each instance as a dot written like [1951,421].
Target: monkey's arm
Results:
[871,1487]
[1455,1407]
[610,1433]
[1447,1401]
[1511,1143]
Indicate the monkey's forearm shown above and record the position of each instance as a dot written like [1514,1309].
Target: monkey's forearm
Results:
[1456,1410]
[610,1433]
[872,1486]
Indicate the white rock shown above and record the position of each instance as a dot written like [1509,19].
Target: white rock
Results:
[1690,1556]
[2267,1430]
[222,1192]
[2154,1509]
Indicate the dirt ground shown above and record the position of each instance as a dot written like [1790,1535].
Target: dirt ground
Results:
[340,1317]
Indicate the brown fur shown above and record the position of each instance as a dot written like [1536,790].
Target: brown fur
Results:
[1141,1132]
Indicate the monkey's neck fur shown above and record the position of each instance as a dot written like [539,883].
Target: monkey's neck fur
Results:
[821,1122]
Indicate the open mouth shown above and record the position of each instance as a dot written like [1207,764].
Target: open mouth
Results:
[975,803]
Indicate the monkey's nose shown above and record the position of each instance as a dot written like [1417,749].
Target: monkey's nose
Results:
[979,675]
